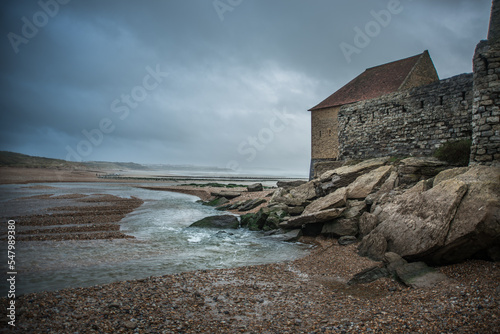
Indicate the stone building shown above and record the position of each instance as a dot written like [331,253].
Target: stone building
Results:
[403,109]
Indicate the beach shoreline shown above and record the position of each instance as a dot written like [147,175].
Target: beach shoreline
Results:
[307,295]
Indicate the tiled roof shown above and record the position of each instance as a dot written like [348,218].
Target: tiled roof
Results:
[372,83]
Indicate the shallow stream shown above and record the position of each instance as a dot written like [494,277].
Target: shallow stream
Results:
[163,244]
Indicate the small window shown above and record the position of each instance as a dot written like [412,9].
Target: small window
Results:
[464,95]
[330,132]
[320,134]
[421,104]
[440,100]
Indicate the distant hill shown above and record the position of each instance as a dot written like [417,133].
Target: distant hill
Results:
[11,159]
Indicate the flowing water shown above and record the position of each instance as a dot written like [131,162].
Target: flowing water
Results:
[163,244]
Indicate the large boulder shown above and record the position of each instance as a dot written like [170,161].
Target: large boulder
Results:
[224,221]
[343,176]
[336,199]
[365,184]
[313,218]
[448,223]
[298,196]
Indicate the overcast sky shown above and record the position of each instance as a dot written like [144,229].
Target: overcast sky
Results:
[218,83]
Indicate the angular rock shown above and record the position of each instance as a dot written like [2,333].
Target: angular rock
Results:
[347,240]
[255,221]
[413,170]
[226,194]
[367,183]
[449,223]
[290,184]
[252,204]
[340,228]
[299,196]
[367,223]
[448,174]
[223,221]
[347,171]
[336,199]
[317,217]
[355,209]
[255,187]
[373,246]
[368,275]
[419,275]
[296,210]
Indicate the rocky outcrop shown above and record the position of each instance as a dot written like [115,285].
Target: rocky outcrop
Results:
[454,220]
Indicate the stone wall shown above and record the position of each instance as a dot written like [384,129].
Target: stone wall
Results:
[408,123]
[324,134]
[486,110]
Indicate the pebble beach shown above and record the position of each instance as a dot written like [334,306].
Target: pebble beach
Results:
[309,295]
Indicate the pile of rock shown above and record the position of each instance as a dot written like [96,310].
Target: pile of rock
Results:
[419,208]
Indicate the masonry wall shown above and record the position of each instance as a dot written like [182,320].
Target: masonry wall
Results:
[324,133]
[486,110]
[409,123]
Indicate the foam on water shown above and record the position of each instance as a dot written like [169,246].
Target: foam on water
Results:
[163,243]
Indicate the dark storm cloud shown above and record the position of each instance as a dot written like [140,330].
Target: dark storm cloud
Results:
[232,91]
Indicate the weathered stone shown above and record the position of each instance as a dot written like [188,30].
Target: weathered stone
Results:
[454,220]
[373,246]
[336,199]
[296,210]
[412,170]
[343,176]
[367,183]
[340,228]
[419,275]
[299,196]
[393,261]
[355,209]
[448,174]
[368,275]
[290,184]
[252,204]
[217,202]
[226,194]
[317,217]
[255,187]
[224,221]
[367,223]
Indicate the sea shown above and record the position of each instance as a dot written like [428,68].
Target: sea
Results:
[162,244]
